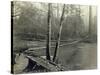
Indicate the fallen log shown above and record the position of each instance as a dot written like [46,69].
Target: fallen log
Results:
[48,65]
[74,42]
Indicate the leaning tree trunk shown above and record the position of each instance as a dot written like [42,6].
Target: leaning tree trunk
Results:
[59,34]
[48,33]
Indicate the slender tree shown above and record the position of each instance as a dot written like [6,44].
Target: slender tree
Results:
[59,34]
[48,33]
[12,54]
[90,20]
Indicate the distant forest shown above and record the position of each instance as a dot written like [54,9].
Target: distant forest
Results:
[30,21]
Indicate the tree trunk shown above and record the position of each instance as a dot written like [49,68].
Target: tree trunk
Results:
[48,33]
[90,20]
[59,34]
[12,54]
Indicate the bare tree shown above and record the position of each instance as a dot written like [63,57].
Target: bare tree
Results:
[48,33]
[59,34]
[90,20]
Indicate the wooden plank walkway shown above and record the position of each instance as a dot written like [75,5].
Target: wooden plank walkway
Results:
[49,65]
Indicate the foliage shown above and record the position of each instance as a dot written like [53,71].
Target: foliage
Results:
[32,21]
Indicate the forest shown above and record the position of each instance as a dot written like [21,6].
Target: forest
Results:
[64,33]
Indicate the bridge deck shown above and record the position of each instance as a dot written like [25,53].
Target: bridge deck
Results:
[49,65]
